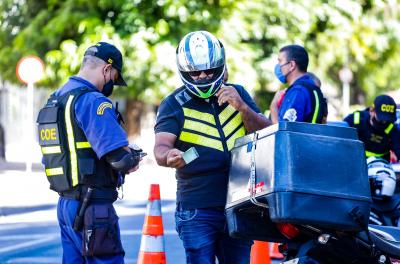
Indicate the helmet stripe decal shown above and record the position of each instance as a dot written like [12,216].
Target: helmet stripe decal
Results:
[210,48]
[187,49]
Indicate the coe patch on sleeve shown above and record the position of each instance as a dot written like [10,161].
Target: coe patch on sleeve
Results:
[290,115]
[102,107]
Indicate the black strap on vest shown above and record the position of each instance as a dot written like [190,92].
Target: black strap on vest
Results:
[320,107]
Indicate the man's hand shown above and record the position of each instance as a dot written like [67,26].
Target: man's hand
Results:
[274,107]
[175,159]
[228,94]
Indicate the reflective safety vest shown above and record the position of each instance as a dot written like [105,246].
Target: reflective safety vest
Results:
[69,160]
[388,129]
[216,129]
[319,103]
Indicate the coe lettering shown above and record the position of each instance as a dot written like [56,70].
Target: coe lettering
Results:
[48,134]
[387,108]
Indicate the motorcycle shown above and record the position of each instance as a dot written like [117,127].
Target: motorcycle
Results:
[293,184]
[385,207]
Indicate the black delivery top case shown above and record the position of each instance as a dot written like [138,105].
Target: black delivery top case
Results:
[305,173]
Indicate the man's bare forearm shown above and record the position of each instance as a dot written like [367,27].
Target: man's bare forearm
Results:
[161,153]
[252,120]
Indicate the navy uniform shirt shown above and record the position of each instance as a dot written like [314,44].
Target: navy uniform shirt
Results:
[296,104]
[96,116]
[375,141]
[203,182]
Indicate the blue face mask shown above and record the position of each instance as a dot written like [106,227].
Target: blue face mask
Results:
[278,73]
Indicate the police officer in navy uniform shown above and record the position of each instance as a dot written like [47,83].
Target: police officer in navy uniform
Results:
[208,115]
[86,156]
[375,127]
[303,100]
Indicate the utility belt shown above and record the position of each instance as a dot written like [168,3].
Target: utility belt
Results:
[97,195]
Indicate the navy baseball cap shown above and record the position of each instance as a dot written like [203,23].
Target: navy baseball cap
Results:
[385,108]
[110,54]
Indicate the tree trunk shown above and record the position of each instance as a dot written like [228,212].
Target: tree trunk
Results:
[133,112]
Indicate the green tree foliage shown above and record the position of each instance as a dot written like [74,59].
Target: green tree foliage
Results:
[146,31]
[362,34]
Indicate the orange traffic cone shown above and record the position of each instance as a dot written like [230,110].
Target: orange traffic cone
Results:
[152,250]
[274,251]
[260,253]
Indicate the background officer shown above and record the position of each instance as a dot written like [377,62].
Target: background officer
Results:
[375,127]
[86,155]
[303,100]
[208,115]
[279,95]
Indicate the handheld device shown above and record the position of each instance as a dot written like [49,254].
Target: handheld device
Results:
[190,155]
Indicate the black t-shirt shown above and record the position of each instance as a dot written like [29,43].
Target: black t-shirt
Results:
[203,182]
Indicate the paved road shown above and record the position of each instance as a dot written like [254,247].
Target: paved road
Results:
[29,230]
[38,241]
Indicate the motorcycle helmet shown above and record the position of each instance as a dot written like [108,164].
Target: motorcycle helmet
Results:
[199,52]
[381,177]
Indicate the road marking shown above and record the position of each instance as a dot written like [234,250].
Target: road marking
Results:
[46,239]
[57,235]
[50,260]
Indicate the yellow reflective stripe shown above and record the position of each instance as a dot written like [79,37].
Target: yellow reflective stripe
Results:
[356,118]
[232,125]
[81,145]
[201,140]
[389,128]
[54,171]
[206,117]
[316,110]
[71,142]
[372,154]
[226,113]
[231,141]
[102,107]
[51,150]
[200,127]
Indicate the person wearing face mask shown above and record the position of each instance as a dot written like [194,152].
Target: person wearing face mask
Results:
[375,127]
[195,131]
[279,95]
[303,100]
[86,156]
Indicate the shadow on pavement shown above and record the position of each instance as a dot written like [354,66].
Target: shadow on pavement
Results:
[5,211]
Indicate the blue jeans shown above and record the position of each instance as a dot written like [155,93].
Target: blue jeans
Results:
[205,237]
[72,241]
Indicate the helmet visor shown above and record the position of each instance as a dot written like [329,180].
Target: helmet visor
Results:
[210,76]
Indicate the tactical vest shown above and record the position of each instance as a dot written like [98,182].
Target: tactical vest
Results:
[69,160]
[368,144]
[319,104]
[216,127]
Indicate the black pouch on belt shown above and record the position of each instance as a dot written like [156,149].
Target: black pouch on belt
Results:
[101,231]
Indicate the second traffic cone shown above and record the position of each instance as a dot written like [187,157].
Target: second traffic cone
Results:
[152,249]
[274,251]
[260,253]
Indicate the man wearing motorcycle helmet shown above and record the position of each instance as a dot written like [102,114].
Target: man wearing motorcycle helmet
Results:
[375,127]
[195,130]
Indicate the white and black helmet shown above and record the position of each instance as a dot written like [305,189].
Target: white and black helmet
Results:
[382,177]
[201,51]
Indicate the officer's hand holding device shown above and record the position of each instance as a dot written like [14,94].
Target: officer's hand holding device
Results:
[125,160]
